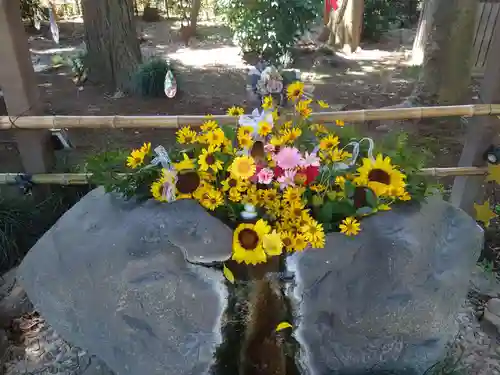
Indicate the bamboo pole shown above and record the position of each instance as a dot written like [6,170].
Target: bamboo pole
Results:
[174,122]
[83,178]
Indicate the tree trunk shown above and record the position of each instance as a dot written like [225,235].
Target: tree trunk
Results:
[347,25]
[195,12]
[112,43]
[423,31]
[446,71]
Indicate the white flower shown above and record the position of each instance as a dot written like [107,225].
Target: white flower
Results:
[310,160]
[254,119]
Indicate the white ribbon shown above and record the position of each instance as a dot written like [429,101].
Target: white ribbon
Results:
[355,154]
[162,158]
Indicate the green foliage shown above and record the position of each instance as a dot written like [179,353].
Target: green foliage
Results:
[149,79]
[32,11]
[382,15]
[23,219]
[269,27]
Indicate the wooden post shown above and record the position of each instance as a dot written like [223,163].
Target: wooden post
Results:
[18,83]
[481,133]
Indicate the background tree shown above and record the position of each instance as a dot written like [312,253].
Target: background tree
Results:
[113,52]
[446,70]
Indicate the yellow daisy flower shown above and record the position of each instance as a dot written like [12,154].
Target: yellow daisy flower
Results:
[287,238]
[243,167]
[186,135]
[267,102]
[208,160]
[245,142]
[299,242]
[234,195]
[245,131]
[248,243]
[293,194]
[340,123]
[264,128]
[295,90]
[318,188]
[146,148]
[350,226]
[235,111]
[136,159]
[277,141]
[291,135]
[233,182]
[338,155]
[319,129]
[212,199]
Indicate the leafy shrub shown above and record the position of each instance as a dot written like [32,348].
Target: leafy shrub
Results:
[381,15]
[32,11]
[149,79]
[269,27]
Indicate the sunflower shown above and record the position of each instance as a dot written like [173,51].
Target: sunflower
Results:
[248,242]
[136,158]
[207,159]
[294,210]
[186,135]
[215,137]
[329,142]
[234,195]
[302,107]
[269,195]
[235,111]
[252,196]
[350,226]
[264,128]
[209,126]
[245,141]
[295,90]
[212,199]
[287,238]
[187,184]
[323,104]
[267,102]
[291,135]
[315,234]
[185,164]
[243,167]
[299,242]
[233,183]
[380,176]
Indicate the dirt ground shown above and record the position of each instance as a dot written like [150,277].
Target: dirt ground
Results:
[212,77]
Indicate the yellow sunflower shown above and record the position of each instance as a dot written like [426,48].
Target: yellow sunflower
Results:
[208,160]
[136,158]
[248,242]
[295,90]
[233,182]
[302,108]
[243,167]
[350,226]
[209,126]
[146,148]
[245,141]
[299,242]
[215,137]
[380,176]
[315,234]
[245,131]
[235,111]
[329,142]
[267,102]
[338,155]
[287,238]
[188,184]
[186,135]
[234,195]
[318,129]
[293,194]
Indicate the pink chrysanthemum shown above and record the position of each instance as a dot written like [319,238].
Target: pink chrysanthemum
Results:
[288,158]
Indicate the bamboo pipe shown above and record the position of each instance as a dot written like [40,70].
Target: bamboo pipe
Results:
[174,122]
[83,178]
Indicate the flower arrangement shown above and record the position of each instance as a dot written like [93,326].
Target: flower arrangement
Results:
[279,180]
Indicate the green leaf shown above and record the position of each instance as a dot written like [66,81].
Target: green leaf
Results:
[326,212]
[364,211]
[349,188]
[228,274]
[371,198]
[229,132]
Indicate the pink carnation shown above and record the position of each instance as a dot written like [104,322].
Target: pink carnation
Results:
[265,176]
[288,158]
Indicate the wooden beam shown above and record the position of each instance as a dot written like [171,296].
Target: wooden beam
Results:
[481,133]
[18,83]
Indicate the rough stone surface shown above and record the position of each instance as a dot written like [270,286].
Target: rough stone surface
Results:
[386,299]
[111,277]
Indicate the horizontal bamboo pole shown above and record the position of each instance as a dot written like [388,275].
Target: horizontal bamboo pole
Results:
[83,178]
[174,122]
